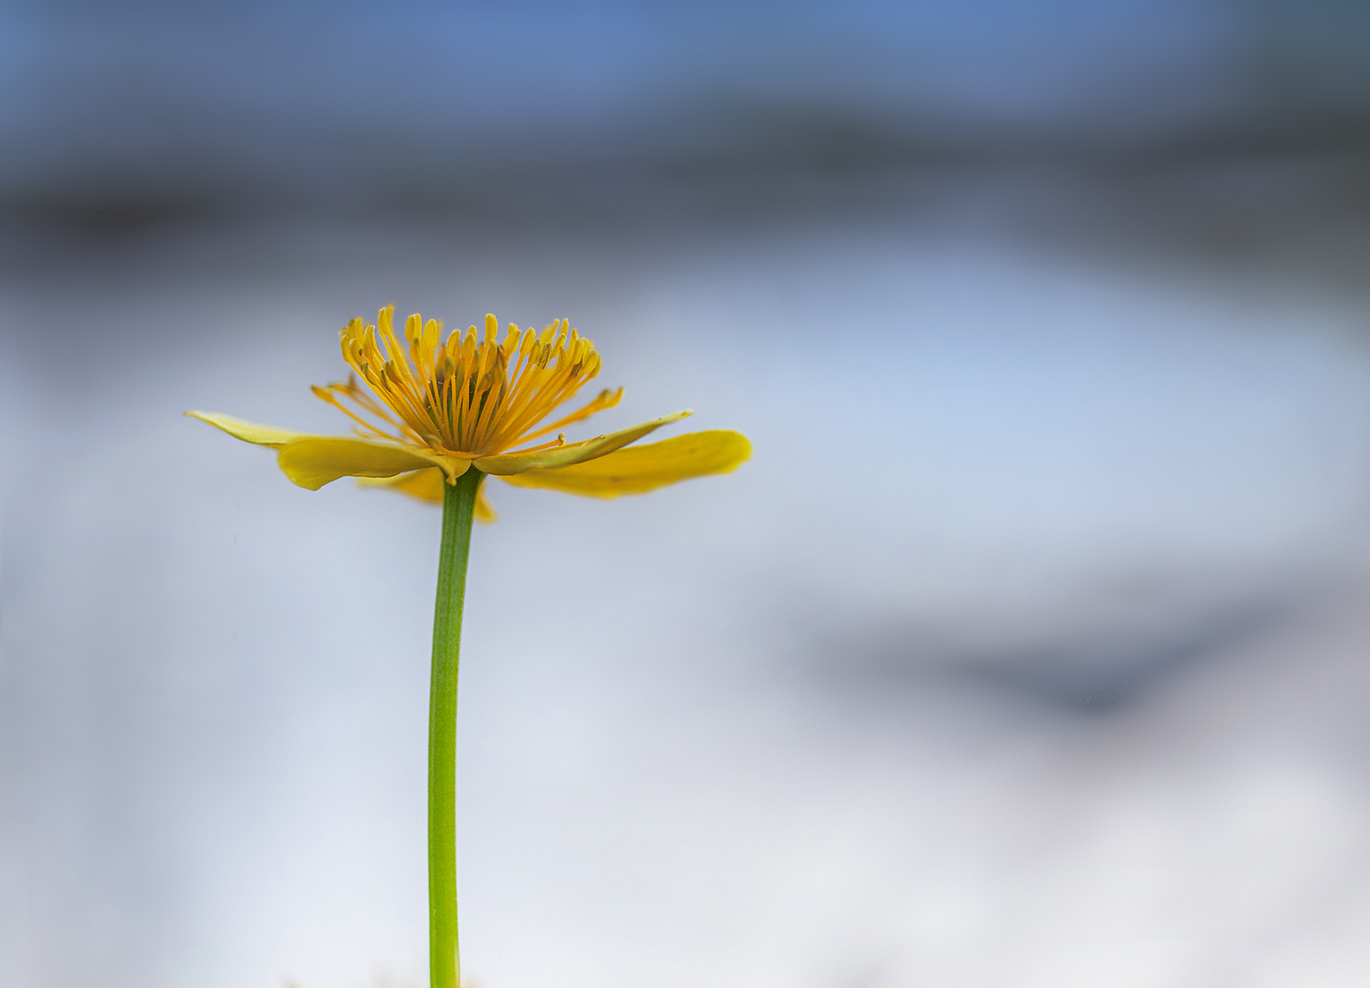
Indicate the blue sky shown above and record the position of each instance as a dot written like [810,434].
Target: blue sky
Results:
[125,88]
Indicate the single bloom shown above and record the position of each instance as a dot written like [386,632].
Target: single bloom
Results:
[436,408]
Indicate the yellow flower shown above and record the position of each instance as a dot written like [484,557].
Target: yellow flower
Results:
[446,407]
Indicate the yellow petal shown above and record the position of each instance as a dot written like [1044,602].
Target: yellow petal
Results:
[428,485]
[563,456]
[644,468]
[318,460]
[485,514]
[248,432]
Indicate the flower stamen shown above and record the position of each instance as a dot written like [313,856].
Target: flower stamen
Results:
[460,396]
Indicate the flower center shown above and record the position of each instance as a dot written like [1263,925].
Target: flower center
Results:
[465,395]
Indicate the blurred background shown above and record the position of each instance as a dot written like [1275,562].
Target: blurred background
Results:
[1030,648]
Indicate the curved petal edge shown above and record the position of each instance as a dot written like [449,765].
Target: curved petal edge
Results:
[640,469]
[428,485]
[558,457]
[317,460]
[248,432]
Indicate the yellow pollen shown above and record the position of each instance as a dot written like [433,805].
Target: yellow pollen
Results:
[468,394]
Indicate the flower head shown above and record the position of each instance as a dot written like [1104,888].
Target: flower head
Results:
[468,395]
[433,409]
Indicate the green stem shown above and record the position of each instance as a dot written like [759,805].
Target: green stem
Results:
[458,510]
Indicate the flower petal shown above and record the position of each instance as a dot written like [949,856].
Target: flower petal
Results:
[644,468]
[428,485]
[317,460]
[563,456]
[248,432]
